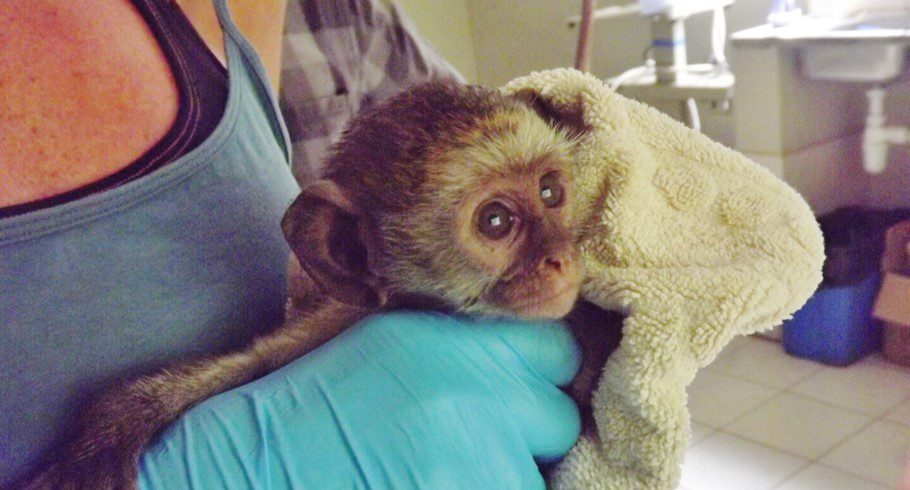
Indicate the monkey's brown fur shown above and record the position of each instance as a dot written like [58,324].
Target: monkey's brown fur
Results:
[394,223]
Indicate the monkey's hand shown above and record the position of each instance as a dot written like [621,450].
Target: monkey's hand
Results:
[401,400]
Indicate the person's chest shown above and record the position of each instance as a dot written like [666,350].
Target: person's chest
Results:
[84,90]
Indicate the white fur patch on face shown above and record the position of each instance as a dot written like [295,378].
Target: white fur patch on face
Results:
[507,143]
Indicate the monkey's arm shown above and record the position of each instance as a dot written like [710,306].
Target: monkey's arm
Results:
[598,333]
[118,426]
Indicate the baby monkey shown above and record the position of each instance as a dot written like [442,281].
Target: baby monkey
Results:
[449,197]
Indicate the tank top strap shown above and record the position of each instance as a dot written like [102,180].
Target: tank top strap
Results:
[235,41]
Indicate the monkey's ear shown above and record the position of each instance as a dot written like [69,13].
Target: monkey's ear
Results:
[572,121]
[327,233]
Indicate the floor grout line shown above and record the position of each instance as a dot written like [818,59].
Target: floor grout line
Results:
[845,440]
[808,462]
[776,392]
[893,409]
[858,477]
[752,410]
[849,409]
[788,389]
[817,459]
[768,446]
[717,370]
[830,404]
[792,475]
[834,445]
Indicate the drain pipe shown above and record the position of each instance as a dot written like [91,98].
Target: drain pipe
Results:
[878,137]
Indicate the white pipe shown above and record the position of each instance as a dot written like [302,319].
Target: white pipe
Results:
[693,119]
[647,70]
[719,36]
[877,138]
[632,74]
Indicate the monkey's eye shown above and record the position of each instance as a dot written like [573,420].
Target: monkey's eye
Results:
[495,220]
[551,191]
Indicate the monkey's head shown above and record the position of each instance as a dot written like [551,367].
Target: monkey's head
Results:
[450,193]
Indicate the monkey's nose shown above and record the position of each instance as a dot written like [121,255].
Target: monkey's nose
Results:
[552,264]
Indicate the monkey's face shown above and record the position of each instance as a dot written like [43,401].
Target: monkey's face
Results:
[516,232]
[453,193]
[494,232]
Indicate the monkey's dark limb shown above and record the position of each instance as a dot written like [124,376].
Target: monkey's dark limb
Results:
[598,333]
[119,425]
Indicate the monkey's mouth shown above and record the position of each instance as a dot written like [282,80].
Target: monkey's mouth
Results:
[553,303]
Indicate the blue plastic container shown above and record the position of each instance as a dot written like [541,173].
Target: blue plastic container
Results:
[836,326]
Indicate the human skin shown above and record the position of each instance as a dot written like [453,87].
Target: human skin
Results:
[85,88]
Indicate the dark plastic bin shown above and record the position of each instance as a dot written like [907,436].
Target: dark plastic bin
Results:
[852,245]
[836,326]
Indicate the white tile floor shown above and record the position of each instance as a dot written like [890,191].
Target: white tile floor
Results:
[764,420]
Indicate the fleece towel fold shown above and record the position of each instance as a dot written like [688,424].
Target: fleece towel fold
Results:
[694,242]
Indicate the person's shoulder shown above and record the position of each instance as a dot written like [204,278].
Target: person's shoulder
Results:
[261,22]
[85,88]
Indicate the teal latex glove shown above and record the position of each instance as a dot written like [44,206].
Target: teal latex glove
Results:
[401,400]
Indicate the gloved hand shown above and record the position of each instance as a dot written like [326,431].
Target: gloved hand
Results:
[401,400]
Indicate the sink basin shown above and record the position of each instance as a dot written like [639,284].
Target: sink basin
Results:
[890,22]
[878,62]
[871,50]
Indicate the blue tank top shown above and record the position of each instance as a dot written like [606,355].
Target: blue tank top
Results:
[183,261]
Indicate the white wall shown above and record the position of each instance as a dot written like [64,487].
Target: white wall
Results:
[446,24]
[515,37]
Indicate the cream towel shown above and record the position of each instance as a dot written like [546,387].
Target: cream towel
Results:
[694,242]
